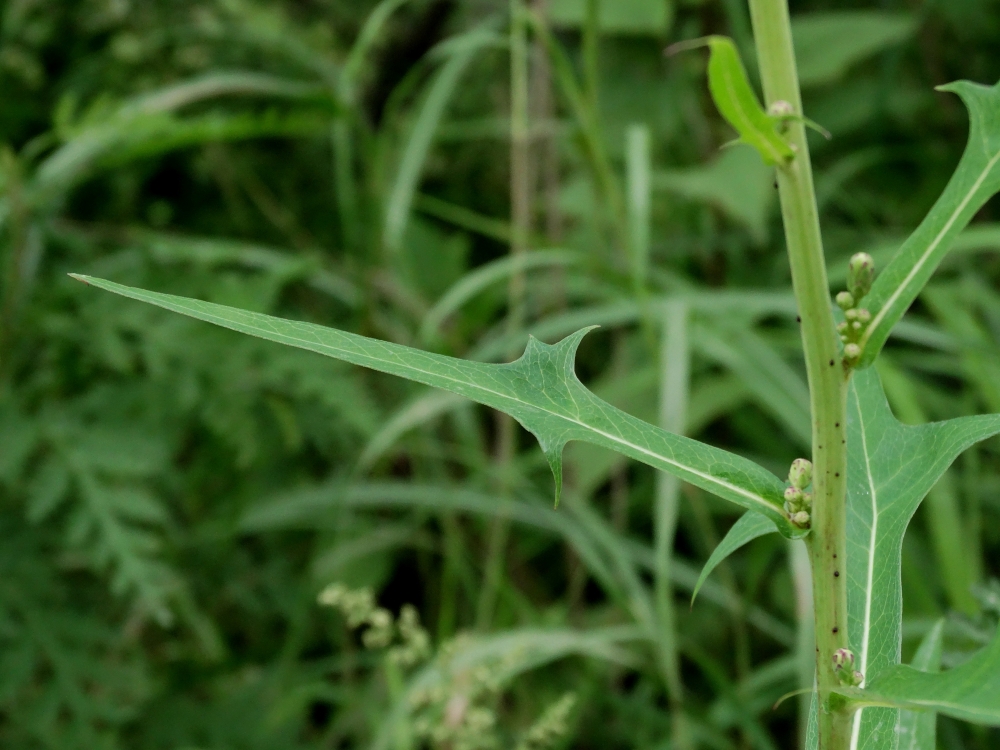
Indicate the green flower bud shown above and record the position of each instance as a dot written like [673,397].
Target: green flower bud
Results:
[851,314]
[800,519]
[864,316]
[841,327]
[845,300]
[801,473]
[856,325]
[857,678]
[852,352]
[843,659]
[860,272]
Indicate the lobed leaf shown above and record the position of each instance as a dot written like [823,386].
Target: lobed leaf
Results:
[891,467]
[975,181]
[918,729]
[970,691]
[540,390]
[750,526]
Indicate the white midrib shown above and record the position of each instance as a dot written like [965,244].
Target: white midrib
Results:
[303,343]
[930,250]
[866,628]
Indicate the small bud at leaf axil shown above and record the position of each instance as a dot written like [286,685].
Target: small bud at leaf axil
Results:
[860,273]
[864,316]
[852,352]
[781,108]
[800,475]
[843,659]
[845,300]
[800,519]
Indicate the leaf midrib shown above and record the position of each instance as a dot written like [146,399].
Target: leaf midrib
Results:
[866,629]
[887,307]
[708,478]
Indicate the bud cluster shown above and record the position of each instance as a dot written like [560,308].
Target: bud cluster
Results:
[843,665]
[860,273]
[798,502]
[359,609]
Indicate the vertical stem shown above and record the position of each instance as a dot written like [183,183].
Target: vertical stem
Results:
[675,360]
[520,219]
[639,186]
[344,183]
[591,42]
[826,373]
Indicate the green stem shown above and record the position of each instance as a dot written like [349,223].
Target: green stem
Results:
[675,369]
[824,366]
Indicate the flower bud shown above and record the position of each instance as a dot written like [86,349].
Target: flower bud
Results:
[800,519]
[852,352]
[860,272]
[851,314]
[845,300]
[780,108]
[843,659]
[857,678]
[801,473]
[864,316]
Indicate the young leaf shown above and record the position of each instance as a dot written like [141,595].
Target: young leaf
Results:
[891,467]
[970,691]
[540,390]
[750,526]
[738,104]
[918,729]
[975,181]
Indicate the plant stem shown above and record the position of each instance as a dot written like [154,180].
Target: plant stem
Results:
[521,184]
[824,366]
[675,375]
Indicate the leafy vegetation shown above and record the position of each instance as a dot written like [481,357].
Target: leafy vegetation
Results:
[454,178]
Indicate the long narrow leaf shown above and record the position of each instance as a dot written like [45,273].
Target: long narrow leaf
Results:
[540,390]
[975,181]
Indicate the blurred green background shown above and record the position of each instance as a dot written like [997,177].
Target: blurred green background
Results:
[173,497]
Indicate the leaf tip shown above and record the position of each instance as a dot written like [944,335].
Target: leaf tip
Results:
[80,277]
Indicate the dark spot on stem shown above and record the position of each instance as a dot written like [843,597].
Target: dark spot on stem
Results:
[831,363]
[836,424]
[798,318]
[836,630]
[837,474]
[836,574]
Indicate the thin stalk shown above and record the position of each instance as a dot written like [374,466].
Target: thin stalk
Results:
[345,184]
[543,110]
[591,44]
[675,375]
[520,221]
[826,373]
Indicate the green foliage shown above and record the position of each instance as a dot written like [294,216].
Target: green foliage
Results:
[173,496]
[976,180]
[540,390]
